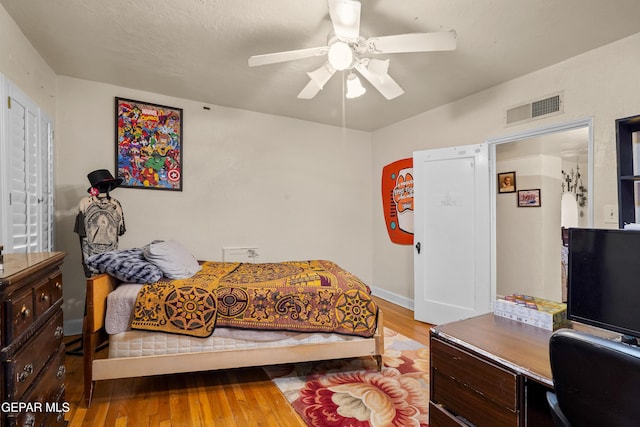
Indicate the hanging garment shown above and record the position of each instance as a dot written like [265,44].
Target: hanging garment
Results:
[99,223]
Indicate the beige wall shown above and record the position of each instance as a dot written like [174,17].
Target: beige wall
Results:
[21,64]
[528,240]
[246,174]
[602,84]
[295,189]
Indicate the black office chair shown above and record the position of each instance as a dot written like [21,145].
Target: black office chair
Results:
[596,381]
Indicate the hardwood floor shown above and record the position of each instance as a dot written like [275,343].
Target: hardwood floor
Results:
[236,397]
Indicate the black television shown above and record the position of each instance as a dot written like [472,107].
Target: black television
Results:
[603,287]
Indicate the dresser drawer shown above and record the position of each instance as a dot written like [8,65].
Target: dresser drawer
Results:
[42,297]
[20,314]
[473,388]
[46,397]
[24,367]
[55,282]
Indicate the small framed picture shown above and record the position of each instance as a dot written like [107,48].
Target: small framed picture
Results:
[529,198]
[507,182]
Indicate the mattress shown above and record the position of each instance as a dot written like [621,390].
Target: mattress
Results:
[135,343]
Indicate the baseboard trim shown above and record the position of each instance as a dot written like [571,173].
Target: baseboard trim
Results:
[72,327]
[394,298]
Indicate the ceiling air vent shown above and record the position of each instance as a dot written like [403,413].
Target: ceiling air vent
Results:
[535,109]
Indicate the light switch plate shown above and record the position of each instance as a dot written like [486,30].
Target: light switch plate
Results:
[610,214]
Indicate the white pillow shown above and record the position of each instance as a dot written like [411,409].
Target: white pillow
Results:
[175,261]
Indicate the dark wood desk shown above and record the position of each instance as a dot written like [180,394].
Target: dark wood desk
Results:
[491,371]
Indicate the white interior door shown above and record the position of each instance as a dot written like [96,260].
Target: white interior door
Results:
[452,258]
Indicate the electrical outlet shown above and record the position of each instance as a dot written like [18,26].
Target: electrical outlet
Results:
[610,214]
[241,254]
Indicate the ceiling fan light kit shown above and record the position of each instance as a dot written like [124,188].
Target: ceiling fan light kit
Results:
[354,87]
[346,50]
[340,55]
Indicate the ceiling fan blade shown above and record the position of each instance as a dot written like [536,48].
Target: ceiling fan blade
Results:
[383,82]
[290,55]
[416,42]
[345,16]
[309,91]
[318,78]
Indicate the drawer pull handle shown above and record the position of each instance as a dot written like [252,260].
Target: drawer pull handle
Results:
[30,420]
[26,371]
[58,285]
[59,332]
[44,297]
[25,312]
[61,372]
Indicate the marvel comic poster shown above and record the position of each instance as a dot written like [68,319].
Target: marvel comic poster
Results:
[148,145]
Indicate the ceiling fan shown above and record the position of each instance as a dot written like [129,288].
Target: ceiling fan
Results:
[346,50]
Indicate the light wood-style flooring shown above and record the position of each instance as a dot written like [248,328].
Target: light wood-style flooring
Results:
[236,397]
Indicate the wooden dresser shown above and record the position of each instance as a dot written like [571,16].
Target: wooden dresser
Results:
[31,340]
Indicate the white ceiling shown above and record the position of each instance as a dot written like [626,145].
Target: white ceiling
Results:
[198,49]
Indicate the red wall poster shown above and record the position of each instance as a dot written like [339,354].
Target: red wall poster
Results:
[397,200]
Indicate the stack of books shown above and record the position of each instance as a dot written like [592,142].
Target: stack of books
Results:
[533,311]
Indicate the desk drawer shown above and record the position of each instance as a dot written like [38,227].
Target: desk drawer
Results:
[465,402]
[440,417]
[473,388]
[25,366]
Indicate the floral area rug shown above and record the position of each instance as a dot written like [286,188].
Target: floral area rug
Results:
[353,393]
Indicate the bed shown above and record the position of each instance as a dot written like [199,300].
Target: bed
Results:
[151,349]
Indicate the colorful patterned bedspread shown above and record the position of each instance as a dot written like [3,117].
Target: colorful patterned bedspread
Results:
[302,296]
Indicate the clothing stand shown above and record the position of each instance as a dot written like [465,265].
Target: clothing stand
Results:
[99,223]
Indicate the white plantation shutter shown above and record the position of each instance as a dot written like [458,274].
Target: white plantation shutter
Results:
[33,210]
[46,180]
[18,203]
[28,192]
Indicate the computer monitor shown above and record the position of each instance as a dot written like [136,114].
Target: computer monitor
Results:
[603,287]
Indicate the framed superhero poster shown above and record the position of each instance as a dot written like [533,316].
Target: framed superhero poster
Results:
[148,145]
[397,200]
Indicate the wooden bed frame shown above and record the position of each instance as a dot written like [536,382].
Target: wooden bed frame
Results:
[98,287]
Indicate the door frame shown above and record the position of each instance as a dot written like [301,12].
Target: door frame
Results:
[526,134]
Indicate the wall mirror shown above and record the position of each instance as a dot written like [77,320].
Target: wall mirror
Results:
[552,175]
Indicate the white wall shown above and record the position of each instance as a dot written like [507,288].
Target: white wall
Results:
[295,189]
[602,84]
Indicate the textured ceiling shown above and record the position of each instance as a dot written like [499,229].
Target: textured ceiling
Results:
[198,49]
